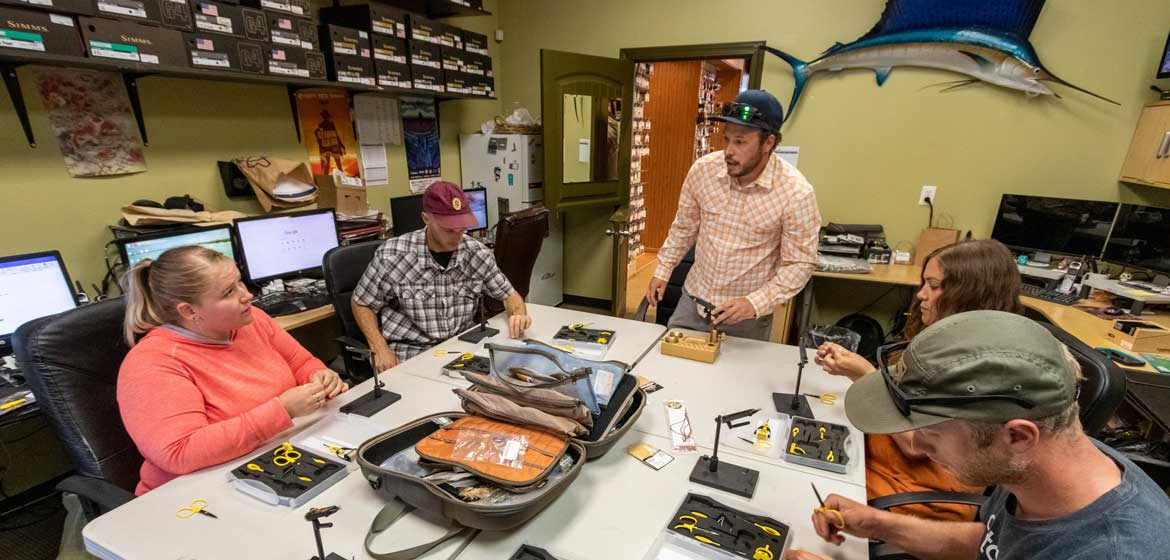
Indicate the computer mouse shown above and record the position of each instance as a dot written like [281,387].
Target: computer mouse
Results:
[1114,311]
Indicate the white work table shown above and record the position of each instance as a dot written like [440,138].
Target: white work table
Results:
[744,376]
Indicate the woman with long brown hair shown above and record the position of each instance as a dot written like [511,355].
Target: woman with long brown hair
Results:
[211,377]
[961,277]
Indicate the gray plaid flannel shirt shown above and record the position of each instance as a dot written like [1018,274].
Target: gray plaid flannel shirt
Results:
[419,303]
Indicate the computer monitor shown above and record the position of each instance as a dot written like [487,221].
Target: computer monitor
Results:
[406,211]
[1053,225]
[478,199]
[32,286]
[1164,61]
[286,245]
[1140,238]
[137,249]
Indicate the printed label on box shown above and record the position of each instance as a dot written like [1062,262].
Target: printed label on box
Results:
[387,56]
[148,58]
[382,28]
[48,3]
[209,23]
[344,49]
[286,38]
[123,7]
[286,69]
[21,40]
[476,50]
[61,20]
[218,60]
[113,50]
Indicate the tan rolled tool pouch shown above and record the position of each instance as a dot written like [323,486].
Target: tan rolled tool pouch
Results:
[545,400]
[501,408]
[513,456]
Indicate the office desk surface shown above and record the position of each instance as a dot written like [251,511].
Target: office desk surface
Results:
[1087,327]
[899,274]
[290,322]
[618,507]
[744,376]
[631,339]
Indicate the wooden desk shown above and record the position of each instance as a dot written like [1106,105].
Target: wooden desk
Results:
[897,274]
[290,322]
[1087,327]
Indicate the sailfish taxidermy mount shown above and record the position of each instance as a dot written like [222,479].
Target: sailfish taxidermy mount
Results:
[984,39]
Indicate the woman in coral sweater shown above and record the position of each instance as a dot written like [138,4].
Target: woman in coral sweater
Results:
[965,276]
[213,377]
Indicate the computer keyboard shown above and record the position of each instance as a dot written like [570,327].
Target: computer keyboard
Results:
[1048,295]
[278,304]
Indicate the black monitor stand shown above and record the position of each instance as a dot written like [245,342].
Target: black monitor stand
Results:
[480,331]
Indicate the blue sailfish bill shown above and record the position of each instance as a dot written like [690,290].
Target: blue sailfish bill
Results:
[986,40]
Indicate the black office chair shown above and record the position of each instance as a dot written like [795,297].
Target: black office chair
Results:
[343,267]
[671,295]
[1101,392]
[519,237]
[71,362]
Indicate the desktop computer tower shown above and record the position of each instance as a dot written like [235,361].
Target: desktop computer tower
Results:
[511,168]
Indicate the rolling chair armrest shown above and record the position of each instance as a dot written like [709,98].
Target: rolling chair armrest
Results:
[643,308]
[931,497]
[97,496]
[354,346]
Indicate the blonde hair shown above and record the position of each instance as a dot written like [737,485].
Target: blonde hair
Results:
[155,288]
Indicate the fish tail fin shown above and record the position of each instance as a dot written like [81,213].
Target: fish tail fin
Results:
[1049,76]
[800,74]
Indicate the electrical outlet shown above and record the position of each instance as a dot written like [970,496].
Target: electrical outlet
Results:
[927,192]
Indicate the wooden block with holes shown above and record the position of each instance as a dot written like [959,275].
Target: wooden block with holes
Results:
[702,349]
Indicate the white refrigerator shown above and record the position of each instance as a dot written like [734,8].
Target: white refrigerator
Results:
[511,168]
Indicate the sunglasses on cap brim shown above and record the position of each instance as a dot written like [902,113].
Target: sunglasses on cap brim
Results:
[747,114]
[905,403]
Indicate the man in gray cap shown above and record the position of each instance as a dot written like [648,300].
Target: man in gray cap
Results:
[992,397]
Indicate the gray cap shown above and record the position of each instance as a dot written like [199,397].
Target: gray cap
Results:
[980,365]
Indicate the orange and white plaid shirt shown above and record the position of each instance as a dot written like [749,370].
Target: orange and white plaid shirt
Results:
[757,241]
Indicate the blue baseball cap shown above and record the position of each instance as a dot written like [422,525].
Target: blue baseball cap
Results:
[755,108]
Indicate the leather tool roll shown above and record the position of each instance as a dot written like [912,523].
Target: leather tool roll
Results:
[502,408]
[487,448]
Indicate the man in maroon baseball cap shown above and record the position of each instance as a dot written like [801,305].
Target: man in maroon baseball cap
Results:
[424,287]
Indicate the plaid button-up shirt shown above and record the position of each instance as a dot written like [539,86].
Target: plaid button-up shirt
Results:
[757,241]
[420,304]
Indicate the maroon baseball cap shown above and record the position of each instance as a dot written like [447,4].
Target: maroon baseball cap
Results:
[447,204]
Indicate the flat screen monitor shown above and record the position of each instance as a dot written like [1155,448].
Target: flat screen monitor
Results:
[286,245]
[135,250]
[32,286]
[1141,238]
[1053,225]
[1164,61]
[406,211]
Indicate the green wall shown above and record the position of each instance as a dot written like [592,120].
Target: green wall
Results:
[191,124]
[866,149]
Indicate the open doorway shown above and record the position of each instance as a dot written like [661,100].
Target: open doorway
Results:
[673,100]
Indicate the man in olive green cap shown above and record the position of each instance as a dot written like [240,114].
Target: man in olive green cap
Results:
[992,397]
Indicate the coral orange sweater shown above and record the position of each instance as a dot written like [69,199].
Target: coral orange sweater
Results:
[190,405]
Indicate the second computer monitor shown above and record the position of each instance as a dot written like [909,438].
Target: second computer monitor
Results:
[31,286]
[1141,238]
[218,238]
[284,245]
[1053,225]
[406,211]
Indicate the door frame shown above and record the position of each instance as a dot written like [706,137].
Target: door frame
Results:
[753,52]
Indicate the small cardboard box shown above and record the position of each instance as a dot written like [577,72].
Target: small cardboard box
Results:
[220,52]
[451,60]
[26,30]
[284,29]
[426,30]
[374,16]
[427,78]
[347,199]
[345,40]
[475,42]
[459,82]
[389,49]
[390,74]
[933,238]
[450,36]
[426,54]
[485,86]
[123,40]
[218,17]
[477,64]
[347,55]
[294,61]
[141,11]
[77,7]
[1140,336]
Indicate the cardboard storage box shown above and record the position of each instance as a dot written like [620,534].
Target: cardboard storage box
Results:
[123,40]
[458,82]
[293,61]
[26,30]
[450,36]
[450,59]
[477,64]
[427,78]
[390,74]
[345,40]
[426,30]
[220,52]
[284,29]
[1139,336]
[77,7]
[426,54]
[484,86]
[218,17]
[349,200]
[294,7]
[475,42]
[347,55]
[374,16]
[389,49]
[141,11]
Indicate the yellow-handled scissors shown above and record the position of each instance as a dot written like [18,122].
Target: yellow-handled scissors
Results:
[763,553]
[689,523]
[285,455]
[257,468]
[196,506]
[576,326]
[840,521]
[826,398]
[343,452]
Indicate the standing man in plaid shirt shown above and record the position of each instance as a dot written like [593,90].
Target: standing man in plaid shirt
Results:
[425,285]
[753,220]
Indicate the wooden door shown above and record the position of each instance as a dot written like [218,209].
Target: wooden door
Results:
[672,109]
[1148,161]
